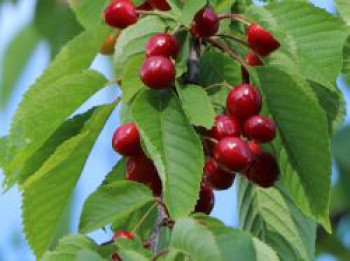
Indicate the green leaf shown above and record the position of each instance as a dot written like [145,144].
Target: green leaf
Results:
[174,147]
[131,255]
[195,240]
[131,82]
[89,13]
[346,62]
[133,40]
[303,127]
[69,247]
[270,215]
[197,105]
[117,173]
[218,68]
[112,201]
[16,57]
[51,14]
[312,35]
[189,9]
[47,192]
[3,145]
[88,255]
[57,102]
[343,8]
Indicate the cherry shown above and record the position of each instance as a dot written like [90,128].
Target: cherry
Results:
[141,169]
[263,170]
[205,23]
[233,154]
[225,126]
[161,5]
[107,46]
[145,6]
[217,177]
[157,72]
[162,45]
[123,234]
[120,14]
[253,60]
[254,147]
[244,101]
[260,40]
[205,203]
[260,128]
[126,140]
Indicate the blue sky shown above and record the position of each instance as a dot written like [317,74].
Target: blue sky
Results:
[12,244]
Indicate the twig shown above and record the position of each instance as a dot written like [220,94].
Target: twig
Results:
[163,206]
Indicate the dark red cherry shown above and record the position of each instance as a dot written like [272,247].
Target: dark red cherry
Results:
[260,128]
[233,154]
[205,23]
[225,126]
[120,14]
[158,72]
[253,60]
[145,6]
[161,5]
[126,140]
[216,177]
[263,170]
[162,45]
[255,147]
[205,203]
[123,234]
[141,169]
[260,40]
[244,101]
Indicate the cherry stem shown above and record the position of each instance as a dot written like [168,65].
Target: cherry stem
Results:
[234,38]
[210,139]
[238,17]
[142,220]
[166,15]
[225,48]
[161,253]
[215,85]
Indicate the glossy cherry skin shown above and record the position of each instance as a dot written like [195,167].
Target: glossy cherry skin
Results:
[141,169]
[255,147]
[120,14]
[225,126]
[126,140]
[162,45]
[253,60]
[233,154]
[260,128]
[216,177]
[145,6]
[161,5]
[205,23]
[123,234]
[260,40]
[263,170]
[205,203]
[244,101]
[158,72]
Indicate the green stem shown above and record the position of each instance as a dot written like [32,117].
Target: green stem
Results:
[164,14]
[238,17]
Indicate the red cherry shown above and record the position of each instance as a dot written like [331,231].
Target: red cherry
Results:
[233,154]
[205,23]
[263,170]
[158,72]
[162,45]
[255,147]
[260,40]
[141,169]
[123,234]
[126,140]
[161,5]
[205,203]
[120,14]
[253,60]
[260,128]
[225,126]
[217,177]
[244,101]
[145,6]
